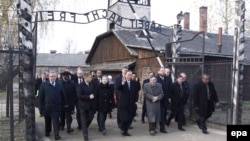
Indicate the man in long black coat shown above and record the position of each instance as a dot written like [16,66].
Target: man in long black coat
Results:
[117,91]
[166,82]
[71,96]
[85,94]
[51,101]
[126,103]
[179,97]
[205,98]
[78,80]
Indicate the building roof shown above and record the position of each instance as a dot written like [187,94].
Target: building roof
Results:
[132,39]
[61,60]
[112,66]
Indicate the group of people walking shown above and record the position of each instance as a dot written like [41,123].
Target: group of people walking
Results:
[59,98]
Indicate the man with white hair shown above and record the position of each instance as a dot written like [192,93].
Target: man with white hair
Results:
[51,99]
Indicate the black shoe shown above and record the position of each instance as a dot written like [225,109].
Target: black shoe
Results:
[143,121]
[198,123]
[168,123]
[70,130]
[181,129]
[57,137]
[163,131]
[130,127]
[47,134]
[79,128]
[205,132]
[85,138]
[126,134]
[104,132]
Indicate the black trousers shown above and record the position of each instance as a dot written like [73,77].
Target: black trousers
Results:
[163,118]
[180,113]
[125,125]
[144,112]
[66,115]
[48,124]
[78,116]
[202,121]
[86,119]
[118,119]
[102,116]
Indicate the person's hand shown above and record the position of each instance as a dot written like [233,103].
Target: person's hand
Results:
[154,99]
[41,113]
[123,80]
[169,100]
[91,96]
[217,104]
[197,110]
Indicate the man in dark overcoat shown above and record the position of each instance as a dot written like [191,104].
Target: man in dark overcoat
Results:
[85,94]
[179,97]
[126,103]
[78,80]
[117,91]
[51,101]
[166,82]
[153,94]
[205,98]
[71,96]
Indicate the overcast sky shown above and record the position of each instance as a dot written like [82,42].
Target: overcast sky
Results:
[82,36]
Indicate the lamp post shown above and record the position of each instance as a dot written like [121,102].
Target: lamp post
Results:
[177,35]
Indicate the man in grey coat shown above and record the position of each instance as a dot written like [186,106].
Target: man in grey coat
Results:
[153,94]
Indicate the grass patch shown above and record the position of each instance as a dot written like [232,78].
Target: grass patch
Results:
[246,104]
[2,94]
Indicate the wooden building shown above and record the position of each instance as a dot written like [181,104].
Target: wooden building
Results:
[118,48]
[121,47]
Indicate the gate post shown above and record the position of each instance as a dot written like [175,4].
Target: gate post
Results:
[25,38]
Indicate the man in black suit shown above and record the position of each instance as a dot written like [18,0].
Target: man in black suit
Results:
[179,97]
[205,99]
[78,80]
[70,92]
[117,91]
[96,82]
[51,100]
[143,114]
[86,96]
[126,103]
[166,82]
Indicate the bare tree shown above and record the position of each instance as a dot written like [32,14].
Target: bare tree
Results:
[69,49]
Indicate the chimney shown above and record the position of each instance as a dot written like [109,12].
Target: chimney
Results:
[186,20]
[52,51]
[203,19]
[219,39]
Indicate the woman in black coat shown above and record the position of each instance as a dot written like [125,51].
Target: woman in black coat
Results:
[104,96]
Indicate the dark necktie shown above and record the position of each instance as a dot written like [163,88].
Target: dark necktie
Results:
[181,90]
[208,93]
